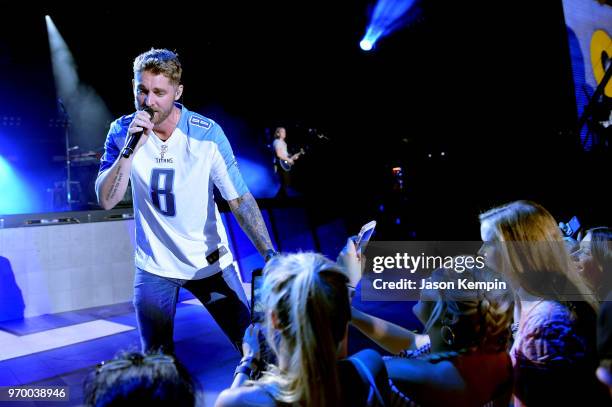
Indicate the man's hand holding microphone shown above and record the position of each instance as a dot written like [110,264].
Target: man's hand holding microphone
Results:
[112,183]
[139,131]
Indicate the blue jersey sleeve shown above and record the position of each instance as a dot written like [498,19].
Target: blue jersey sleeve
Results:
[111,150]
[224,171]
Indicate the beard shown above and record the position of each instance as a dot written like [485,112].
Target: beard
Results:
[159,116]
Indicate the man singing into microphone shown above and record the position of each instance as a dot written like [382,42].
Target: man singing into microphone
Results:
[173,157]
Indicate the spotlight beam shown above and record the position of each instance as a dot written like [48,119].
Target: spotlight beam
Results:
[386,17]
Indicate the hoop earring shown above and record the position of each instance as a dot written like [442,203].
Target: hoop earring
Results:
[447,334]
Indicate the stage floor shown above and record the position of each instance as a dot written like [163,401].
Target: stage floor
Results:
[60,349]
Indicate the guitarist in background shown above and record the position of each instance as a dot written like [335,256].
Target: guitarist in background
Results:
[282,157]
[280,146]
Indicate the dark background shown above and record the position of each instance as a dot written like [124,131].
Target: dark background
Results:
[487,83]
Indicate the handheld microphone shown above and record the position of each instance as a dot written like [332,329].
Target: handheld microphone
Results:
[133,138]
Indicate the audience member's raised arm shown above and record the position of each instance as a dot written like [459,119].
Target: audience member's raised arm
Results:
[350,262]
[389,336]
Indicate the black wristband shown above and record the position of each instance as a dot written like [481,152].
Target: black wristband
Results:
[126,152]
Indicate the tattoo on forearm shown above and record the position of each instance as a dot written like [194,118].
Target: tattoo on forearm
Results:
[115,186]
[249,217]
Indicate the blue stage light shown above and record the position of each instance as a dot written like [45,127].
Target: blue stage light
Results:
[366,45]
[386,17]
[259,178]
[14,192]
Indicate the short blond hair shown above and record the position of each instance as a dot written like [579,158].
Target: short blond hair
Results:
[159,61]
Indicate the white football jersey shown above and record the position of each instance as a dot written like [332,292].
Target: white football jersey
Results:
[179,232]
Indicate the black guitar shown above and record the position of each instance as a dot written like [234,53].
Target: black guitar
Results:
[286,165]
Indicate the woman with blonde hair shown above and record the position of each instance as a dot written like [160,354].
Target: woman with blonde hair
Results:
[307,312]
[554,348]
